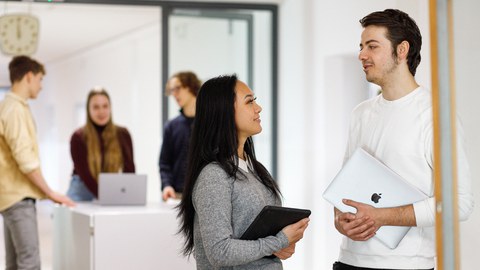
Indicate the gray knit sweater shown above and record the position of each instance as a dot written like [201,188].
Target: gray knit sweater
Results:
[224,208]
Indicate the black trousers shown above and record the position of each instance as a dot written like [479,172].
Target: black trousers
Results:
[342,266]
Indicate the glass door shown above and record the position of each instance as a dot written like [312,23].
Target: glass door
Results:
[216,41]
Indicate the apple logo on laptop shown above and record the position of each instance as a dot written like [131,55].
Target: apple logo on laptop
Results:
[376,197]
[123,190]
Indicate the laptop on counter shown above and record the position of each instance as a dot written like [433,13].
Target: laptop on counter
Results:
[365,179]
[122,189]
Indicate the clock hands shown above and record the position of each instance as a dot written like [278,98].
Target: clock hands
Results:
[19,31]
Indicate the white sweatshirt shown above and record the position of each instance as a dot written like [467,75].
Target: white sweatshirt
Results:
[400,134]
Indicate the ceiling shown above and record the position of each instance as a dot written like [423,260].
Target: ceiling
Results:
[69,29]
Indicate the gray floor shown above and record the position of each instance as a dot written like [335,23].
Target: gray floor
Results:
[45,224]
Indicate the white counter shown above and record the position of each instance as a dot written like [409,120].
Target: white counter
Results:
[94,237]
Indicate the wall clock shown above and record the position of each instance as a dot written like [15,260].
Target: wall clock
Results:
[18,34]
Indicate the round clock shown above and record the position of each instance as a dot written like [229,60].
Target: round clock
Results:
[18,34]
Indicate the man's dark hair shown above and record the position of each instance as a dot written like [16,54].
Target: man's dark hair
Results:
[400,27]
[187,79]
[21,65]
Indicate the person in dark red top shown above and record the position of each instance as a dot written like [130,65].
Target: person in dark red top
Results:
[99,146]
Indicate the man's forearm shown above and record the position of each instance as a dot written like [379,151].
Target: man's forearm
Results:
[396,216]
[37,179]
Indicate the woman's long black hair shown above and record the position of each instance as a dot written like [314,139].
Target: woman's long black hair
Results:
[214,139]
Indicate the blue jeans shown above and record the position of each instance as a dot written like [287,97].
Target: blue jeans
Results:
[21,236]
[78,191]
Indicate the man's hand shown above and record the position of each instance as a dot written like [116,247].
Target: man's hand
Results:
[366,210]
[61,199]
[391,216]
[37,179]
[357,227]
[168,192]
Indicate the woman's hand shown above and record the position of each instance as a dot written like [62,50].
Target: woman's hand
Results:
[294,232]
[285,253]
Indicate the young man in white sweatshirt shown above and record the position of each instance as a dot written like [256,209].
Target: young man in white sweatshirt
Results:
[396,127]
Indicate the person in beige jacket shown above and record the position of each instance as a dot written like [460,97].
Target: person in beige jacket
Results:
[21,180]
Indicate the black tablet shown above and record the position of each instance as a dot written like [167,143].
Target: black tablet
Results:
[273,219]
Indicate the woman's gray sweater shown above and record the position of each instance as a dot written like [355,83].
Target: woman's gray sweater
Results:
[224,208]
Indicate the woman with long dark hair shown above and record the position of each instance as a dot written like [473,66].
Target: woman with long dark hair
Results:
[226,187]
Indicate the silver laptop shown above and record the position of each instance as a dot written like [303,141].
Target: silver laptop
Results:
[122,189]
[365,179]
